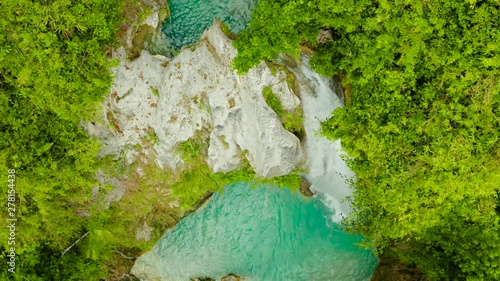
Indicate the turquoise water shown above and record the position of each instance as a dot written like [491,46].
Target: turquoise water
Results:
[190,18]
[265,234]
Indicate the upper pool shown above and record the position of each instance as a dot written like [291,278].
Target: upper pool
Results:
[190,18]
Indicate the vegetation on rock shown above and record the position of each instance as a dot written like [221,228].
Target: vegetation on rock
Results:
[197,179]
[291,120]
[421,125]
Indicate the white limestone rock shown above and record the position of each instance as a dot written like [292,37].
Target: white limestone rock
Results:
[155,100]
[144,233]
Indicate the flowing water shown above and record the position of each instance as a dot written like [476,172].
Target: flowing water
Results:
[327,170]
[191,17]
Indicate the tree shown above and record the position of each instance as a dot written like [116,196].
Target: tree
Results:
[54,71]
[421,126]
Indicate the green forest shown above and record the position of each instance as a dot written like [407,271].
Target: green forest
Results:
[54,72]
[420,125]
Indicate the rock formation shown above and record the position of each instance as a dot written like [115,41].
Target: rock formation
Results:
[305,187]
[160,102]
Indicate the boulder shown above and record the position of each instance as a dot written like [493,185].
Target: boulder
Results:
[324,36]
[144,233]
[305,187]
[137,32]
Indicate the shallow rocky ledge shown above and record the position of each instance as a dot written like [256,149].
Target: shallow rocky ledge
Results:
[140,32]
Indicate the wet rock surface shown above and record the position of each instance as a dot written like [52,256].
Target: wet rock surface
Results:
[305,188]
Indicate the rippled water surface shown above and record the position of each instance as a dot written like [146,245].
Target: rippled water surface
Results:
[190,18]
[264,234]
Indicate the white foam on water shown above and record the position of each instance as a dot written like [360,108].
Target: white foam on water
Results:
[327,170]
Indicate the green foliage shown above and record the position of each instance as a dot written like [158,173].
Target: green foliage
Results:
[152,137]
[273,101]
[276,27]
[146,200]
[290,181]
[421,123]
[291,120]
[194,148]
[155,92]
[54,71]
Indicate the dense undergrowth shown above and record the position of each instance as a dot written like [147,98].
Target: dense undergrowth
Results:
[421,123]
[54,71]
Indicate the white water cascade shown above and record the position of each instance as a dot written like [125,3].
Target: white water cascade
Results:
[327,171]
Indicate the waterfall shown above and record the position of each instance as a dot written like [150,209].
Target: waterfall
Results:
[327,171]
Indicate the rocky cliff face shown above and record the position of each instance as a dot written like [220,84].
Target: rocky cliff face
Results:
[167,102]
